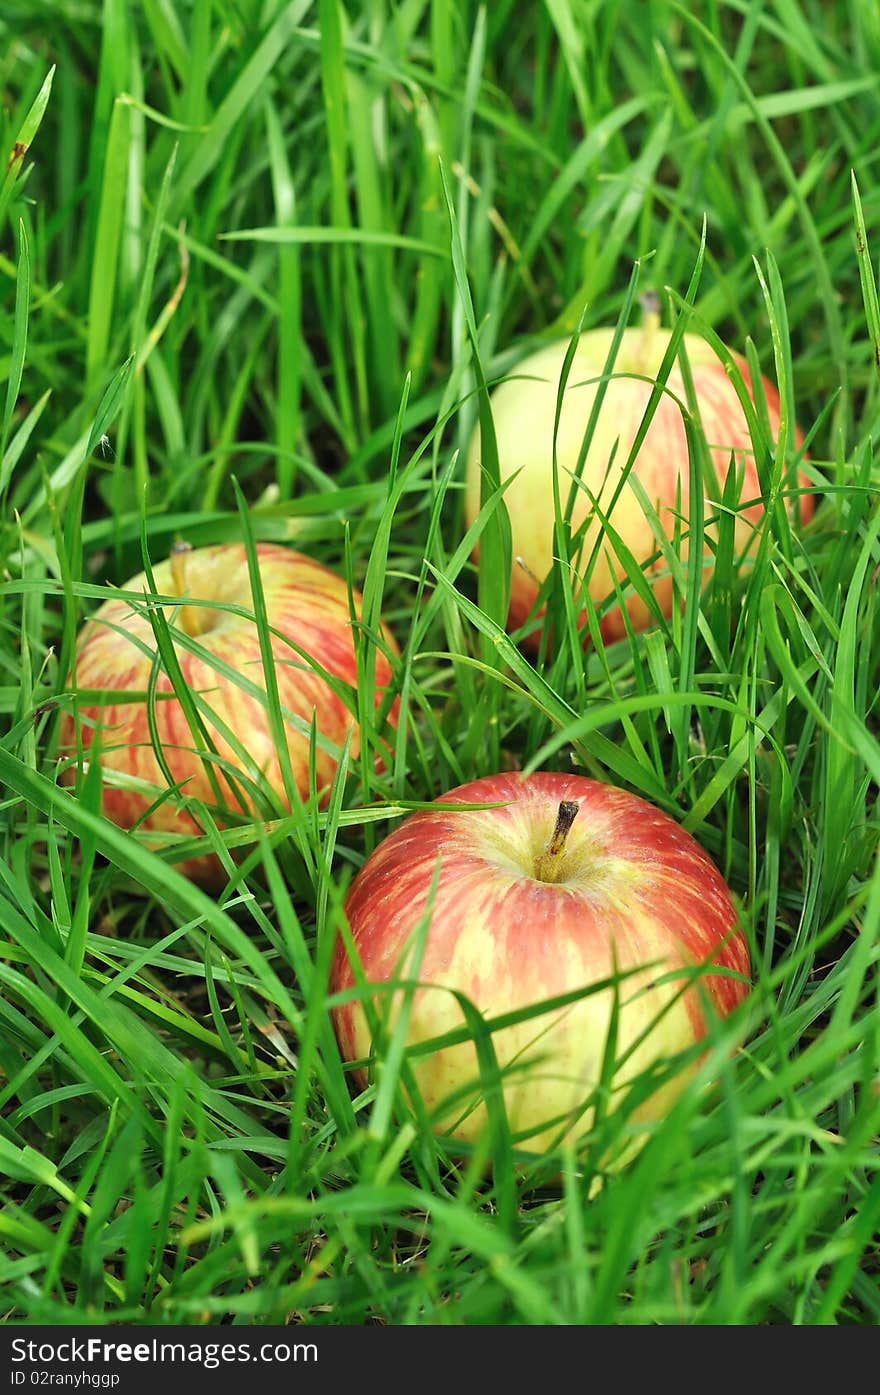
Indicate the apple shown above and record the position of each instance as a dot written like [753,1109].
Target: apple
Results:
[564,883]
[524,411]
[309,607]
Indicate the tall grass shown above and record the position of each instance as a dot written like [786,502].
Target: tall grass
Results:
[260,265]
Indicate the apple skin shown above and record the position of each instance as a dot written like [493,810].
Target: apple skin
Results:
[524,410]
[305,601]
[634,890]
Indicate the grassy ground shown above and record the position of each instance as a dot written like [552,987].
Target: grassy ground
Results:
[227,254]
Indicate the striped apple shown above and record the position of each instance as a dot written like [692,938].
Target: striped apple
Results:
[524,412]
[564,883]
[307,606]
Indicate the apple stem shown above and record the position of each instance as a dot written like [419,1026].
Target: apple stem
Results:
[190,621]
[550,862]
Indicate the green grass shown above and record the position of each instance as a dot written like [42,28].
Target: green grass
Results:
[259,262]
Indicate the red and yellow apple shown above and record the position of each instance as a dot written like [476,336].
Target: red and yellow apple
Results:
[524,411]
[308,606]
[565,884]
